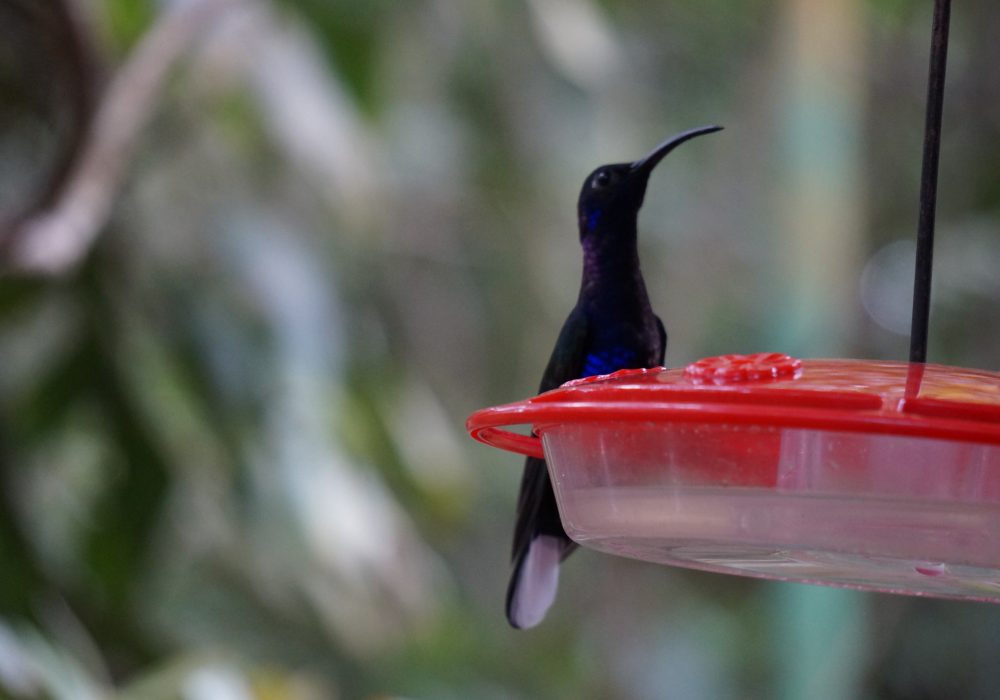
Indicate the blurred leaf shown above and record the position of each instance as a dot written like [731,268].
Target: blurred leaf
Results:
[22,580]
[41,411]
[127,20]
[350,34]
[124,517]
[17,295]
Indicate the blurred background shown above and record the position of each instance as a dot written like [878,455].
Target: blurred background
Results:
[263,257]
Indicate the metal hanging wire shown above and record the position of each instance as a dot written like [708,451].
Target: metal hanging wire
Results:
[928,181]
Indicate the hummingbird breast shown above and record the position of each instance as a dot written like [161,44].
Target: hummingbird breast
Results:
[608,360]
[623,343]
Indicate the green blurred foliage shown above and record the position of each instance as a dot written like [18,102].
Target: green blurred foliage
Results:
[232,462]
[350,34]
[125,21]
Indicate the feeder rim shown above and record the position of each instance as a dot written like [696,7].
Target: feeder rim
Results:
[662,396]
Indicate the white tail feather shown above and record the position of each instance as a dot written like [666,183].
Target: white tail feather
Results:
[537,582]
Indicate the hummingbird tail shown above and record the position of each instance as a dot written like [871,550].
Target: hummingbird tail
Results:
[534,582]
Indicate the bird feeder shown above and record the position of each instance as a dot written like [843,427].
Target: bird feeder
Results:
[866,474]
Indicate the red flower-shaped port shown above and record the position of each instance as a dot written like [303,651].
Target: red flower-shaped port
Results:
[724,369]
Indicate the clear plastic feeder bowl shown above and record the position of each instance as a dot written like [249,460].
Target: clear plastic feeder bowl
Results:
[873,475]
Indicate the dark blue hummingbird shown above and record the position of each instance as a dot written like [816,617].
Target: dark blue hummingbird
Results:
[612,327]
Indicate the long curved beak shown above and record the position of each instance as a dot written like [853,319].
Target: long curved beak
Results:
[645,165]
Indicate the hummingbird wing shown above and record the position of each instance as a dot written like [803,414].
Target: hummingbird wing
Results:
[662,352]
[540,542]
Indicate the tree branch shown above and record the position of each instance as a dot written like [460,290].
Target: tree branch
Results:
[56,237]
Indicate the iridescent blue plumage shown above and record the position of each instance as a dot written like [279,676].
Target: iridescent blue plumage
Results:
[608,361]
[612,327]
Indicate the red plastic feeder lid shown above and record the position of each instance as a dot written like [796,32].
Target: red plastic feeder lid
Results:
[768,389]
[877,475]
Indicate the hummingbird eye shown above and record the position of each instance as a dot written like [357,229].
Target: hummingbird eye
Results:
[601,180]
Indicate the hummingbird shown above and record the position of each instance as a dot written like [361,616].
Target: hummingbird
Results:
[612,327]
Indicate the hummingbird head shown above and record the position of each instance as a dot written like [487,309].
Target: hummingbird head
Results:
[612,195]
